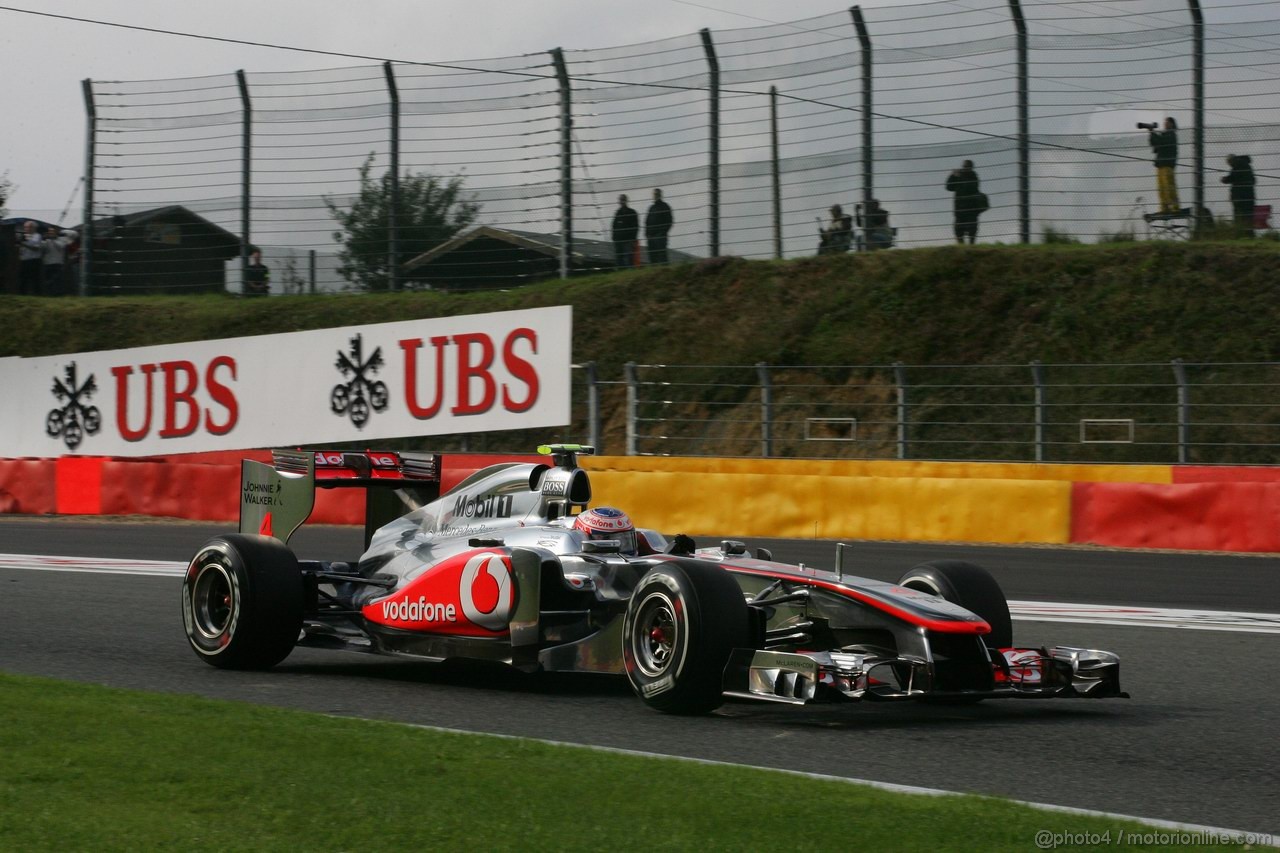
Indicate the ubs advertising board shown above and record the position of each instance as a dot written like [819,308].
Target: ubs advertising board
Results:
[476,373]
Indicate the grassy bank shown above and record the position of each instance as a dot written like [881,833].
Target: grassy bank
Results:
[91,768]
[986,305]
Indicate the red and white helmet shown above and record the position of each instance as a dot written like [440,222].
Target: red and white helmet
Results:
[605,522]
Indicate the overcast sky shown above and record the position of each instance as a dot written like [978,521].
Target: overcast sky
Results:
[42,135]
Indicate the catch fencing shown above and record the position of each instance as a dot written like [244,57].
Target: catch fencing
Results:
[751,134]
[1158,413]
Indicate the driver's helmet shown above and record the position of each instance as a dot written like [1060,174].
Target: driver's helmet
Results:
[605,522]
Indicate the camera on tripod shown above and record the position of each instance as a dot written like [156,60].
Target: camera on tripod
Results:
[1147,125]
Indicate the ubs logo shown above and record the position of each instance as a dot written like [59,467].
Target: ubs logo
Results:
[360,396]
[74,419]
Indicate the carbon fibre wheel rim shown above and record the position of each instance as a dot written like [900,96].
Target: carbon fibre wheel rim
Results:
[211,600]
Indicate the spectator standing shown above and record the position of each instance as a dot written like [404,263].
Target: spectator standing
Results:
[1242,183]
[657,224]
[30,259]
[257,278]
[838,237]
[626,228]
[875,223]
[968,202]
[1164,144]
[54,259]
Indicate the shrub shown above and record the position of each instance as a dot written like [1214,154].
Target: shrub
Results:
[1054,235]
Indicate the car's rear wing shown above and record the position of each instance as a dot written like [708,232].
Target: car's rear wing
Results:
[276,499]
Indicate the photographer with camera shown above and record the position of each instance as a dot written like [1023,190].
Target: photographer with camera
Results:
[1164,143]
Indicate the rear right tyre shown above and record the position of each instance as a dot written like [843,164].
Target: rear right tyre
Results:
[242,602]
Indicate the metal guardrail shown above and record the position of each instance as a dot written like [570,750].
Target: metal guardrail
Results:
[1209,413]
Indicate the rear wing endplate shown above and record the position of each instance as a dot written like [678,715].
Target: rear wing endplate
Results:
[276,499]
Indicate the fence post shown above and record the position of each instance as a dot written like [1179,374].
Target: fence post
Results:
[393,209]
[566,162]
[1037,376]
[713,67]
[868,153]
[766,410]
[311,269]
[246,155]
[1024,126]
[774,151]
[900,379]
[593,405]
[1184,409]
[1197,106]
[629,374]
[90,155]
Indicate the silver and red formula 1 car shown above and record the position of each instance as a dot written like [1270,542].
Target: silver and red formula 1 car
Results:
[512,565]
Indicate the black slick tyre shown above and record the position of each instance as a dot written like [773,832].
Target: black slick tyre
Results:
[682,622]
[242,602]
[969,586]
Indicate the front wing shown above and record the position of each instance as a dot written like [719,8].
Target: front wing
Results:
[801,677]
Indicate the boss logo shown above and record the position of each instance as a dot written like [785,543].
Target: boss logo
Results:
[554,487]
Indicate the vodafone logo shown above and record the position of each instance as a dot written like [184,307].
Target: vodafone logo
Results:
[469,594]
[485,591]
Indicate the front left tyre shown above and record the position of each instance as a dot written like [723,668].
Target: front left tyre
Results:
[242,602]
[970,586]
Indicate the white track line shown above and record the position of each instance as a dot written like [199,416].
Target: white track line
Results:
[1022,611]
[1148,617]
[101,565]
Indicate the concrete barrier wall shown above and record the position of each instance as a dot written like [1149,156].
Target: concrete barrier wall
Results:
[196,486]
[28,486]
[1194,516]
[1132,506]
[884,468]
[831,507]
[1149,506]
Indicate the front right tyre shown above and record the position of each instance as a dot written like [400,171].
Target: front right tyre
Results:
[242,602]
[682,623]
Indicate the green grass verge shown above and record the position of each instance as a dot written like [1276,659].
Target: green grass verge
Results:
[90,768]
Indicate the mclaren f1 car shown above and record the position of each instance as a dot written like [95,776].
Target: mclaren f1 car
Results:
[513,564]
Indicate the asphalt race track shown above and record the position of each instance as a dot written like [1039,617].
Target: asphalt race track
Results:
[1196,744]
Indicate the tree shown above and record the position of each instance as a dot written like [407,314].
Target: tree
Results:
[6,190]
[291,280]
[431,211]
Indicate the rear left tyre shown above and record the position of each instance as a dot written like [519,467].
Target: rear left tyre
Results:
[242,602]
